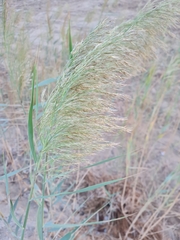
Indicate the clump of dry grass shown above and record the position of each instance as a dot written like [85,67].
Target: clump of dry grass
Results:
[113,209]
[81,108]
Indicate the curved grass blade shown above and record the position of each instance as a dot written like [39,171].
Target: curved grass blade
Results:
[46,82]
[6,179]
[32,148]
[90,188]
[14,208]
[56,227]
[12,173]
[17,227]
[13,215]
[69,236]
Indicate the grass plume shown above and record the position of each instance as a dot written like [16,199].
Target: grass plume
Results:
[81,108]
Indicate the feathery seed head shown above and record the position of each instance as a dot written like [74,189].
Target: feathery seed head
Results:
[81,108]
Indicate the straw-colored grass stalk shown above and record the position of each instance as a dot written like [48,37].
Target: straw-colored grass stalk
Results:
[81,108]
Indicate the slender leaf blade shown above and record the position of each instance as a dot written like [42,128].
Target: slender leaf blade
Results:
[12,173]
[30,119]
[46,82]
[14,208]
[13,215]
[70,41]
[90,188]
[17,227]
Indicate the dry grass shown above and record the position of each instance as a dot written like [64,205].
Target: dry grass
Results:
[112,209]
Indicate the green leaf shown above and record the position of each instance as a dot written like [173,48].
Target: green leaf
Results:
[12,173]
[14,208]
[68,236]
[56,227]
[13,215]
[70,41]
[6,179]
[17,227]
[36,94]
[46,82]
[30,119]
[90,188]
[104,161]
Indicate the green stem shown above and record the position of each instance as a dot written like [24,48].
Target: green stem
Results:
[43,193]
[28,207]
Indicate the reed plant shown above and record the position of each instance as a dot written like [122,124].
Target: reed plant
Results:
[80,110]
[76,119]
